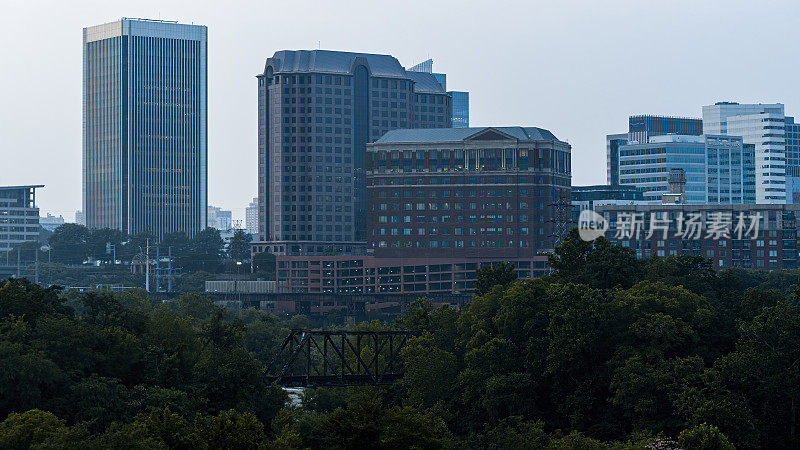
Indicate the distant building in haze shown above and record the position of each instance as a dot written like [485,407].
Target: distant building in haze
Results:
[219,218]
[80,218]
[144,126]
[251,218]
[51,222]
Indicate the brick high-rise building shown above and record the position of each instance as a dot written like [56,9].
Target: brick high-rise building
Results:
[466,192]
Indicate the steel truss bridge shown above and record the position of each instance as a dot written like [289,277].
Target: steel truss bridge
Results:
[338,358]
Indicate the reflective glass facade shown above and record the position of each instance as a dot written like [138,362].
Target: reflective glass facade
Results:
[763,126]
[144,126]
[460,109]
[715,167]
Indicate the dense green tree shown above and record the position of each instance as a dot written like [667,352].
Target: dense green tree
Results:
[204,252]
[69,243]
[598,263]
[21,298]
[264,265]
[358,425]
[231,429]
[136,244]
[488,277]
[627,355]
[765,367]
[178,241]
[429,372]
[27,429]
[704,437]
[99,241]
[239,246]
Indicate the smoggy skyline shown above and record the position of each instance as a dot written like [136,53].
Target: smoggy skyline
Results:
[577,68]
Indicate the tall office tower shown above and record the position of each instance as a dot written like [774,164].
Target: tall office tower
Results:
[792,137]
[317,110]
[641,128]
[762,125]
[144,126]
[251,217]
[459,104]
[715,167]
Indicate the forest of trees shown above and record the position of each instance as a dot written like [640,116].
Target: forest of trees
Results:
[606,352]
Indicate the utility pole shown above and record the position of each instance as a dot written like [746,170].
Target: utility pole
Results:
[36,250]
[18,274]
[147,267]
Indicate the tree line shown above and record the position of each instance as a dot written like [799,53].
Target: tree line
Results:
[608,352]
[72,245]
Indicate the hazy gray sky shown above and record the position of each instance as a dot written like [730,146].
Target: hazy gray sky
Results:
[577,68]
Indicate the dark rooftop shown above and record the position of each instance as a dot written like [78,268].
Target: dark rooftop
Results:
[461,134]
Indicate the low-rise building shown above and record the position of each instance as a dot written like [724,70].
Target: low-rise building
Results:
[19,215]
[747,236]
[590,197]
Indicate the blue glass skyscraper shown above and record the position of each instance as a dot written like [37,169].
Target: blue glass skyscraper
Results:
[144,126]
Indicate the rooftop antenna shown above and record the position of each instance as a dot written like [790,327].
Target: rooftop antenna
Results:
[319,45]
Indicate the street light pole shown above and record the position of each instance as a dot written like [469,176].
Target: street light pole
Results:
[236,283]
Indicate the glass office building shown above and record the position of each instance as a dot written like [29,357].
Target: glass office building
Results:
[640,129]
[144,126]
[792,137]
[715,167]
[763,126]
